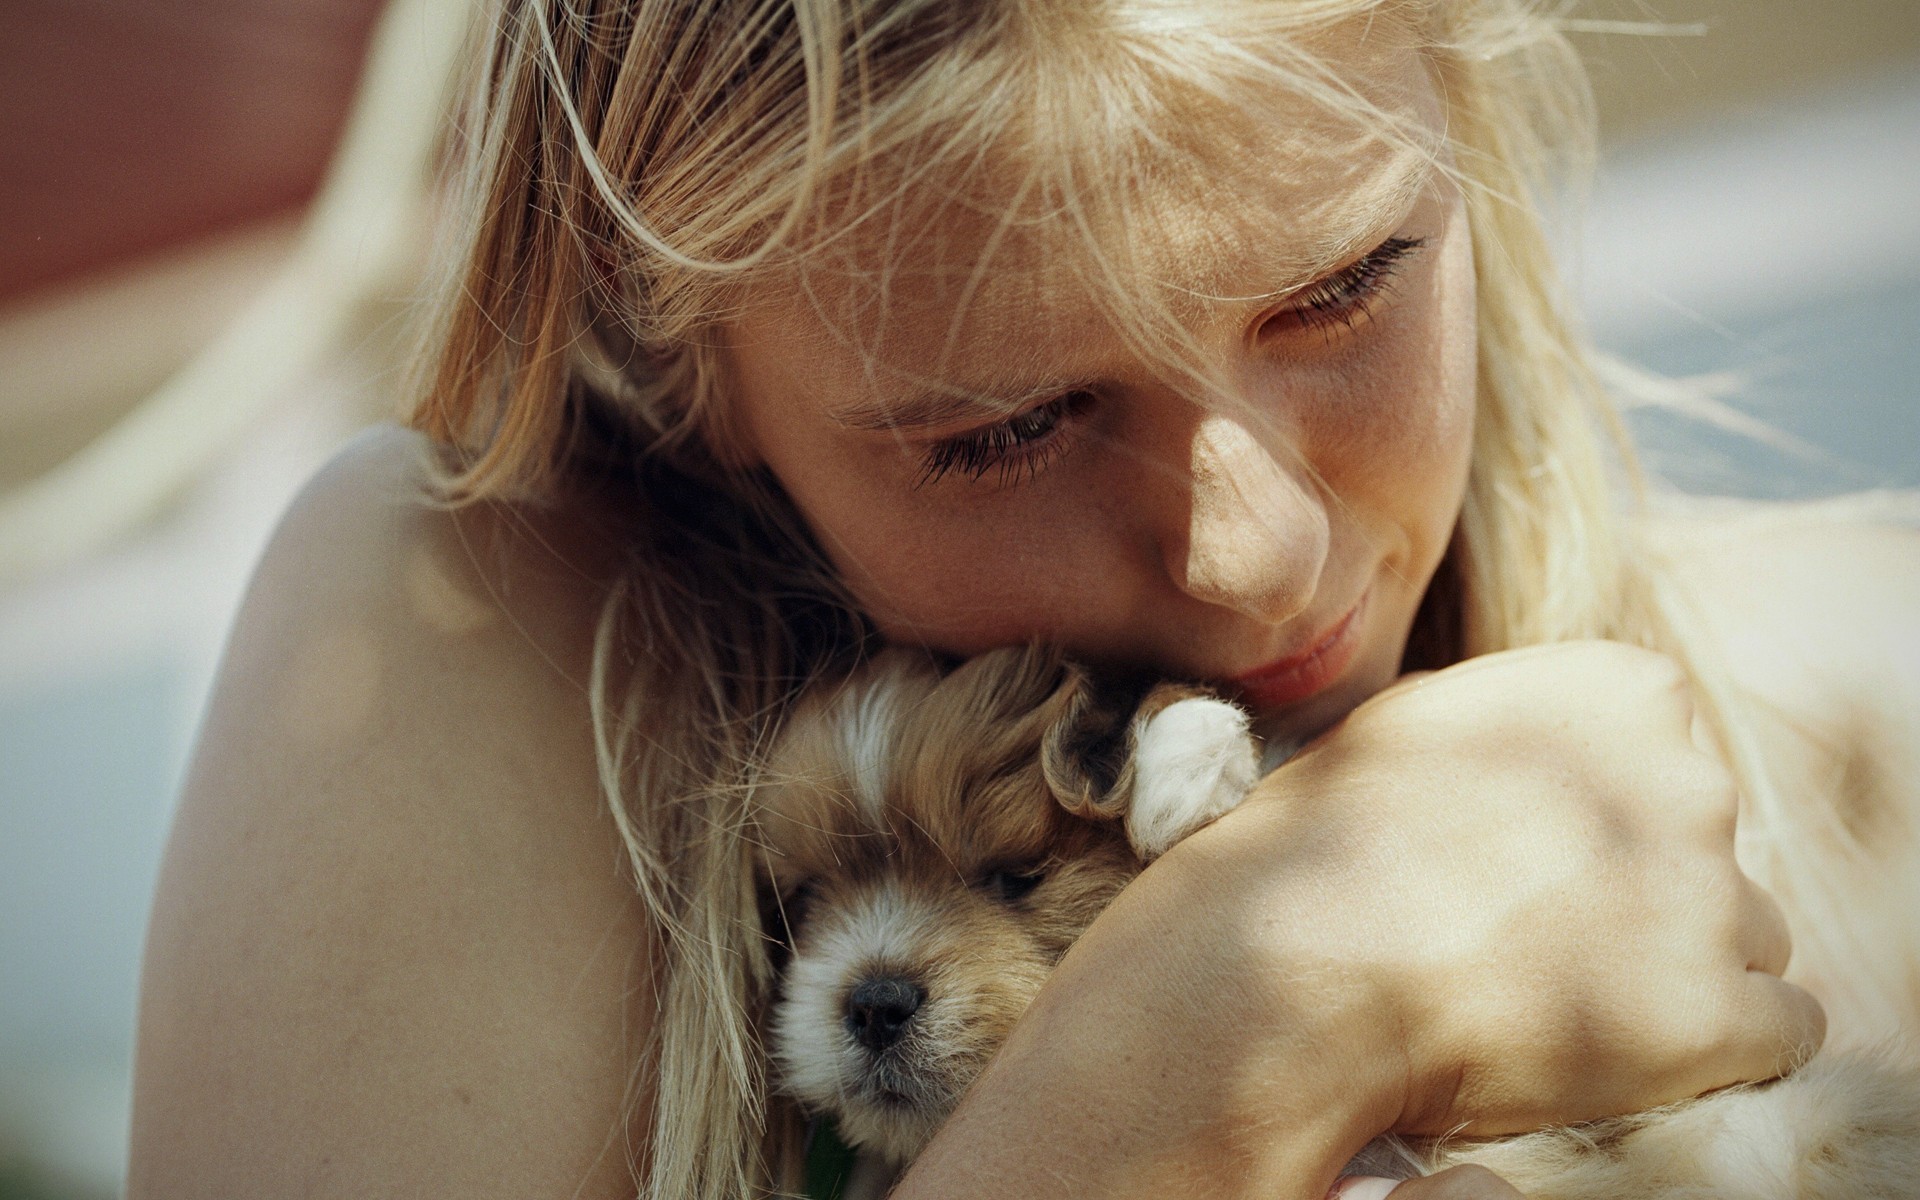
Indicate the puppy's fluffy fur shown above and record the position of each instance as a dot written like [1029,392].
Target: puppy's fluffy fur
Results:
[934,844]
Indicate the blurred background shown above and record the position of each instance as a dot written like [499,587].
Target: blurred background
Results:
[1756,226]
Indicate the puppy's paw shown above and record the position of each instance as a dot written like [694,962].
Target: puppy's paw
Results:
[1192,761]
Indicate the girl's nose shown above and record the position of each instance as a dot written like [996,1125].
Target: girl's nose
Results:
[1256,533]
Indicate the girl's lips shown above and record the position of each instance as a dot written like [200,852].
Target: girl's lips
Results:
[1298,676]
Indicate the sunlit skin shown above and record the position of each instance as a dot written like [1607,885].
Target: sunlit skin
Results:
[395,925]
[1127,521]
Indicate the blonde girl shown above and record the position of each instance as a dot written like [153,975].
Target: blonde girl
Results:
[1214,339]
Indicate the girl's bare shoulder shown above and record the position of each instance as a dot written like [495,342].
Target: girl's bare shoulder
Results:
[394,949]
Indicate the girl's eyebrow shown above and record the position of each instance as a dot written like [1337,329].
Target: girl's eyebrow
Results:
[1304,263]
[933,407]
[944,404]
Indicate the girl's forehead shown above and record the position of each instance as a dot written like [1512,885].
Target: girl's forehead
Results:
[1004,277]
[957,292]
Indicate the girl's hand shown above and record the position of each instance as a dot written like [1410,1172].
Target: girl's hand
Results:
[1498,897]
[1520,872]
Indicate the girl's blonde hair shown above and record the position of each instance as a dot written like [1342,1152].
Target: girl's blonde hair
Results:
[634,167]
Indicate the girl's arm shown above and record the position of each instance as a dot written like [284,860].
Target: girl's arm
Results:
[393,951]
[1500,897]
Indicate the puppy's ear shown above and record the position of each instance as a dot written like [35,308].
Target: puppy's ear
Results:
[1086,752]
[1167,763]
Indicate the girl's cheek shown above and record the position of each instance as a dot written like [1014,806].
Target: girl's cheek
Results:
[1408,412]
[965,587]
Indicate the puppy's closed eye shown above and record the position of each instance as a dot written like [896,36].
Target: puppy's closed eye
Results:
[780,915]
[1013,883]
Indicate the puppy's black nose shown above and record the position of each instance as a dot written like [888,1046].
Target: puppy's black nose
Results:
[879,1008]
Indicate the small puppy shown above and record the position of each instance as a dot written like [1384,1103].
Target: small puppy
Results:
[934,844]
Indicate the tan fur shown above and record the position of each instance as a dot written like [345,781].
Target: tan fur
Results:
[965,797]
[1015,761]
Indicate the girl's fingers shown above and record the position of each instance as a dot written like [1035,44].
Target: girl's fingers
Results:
[1762,1029]
[1792,1010]
[1768,944]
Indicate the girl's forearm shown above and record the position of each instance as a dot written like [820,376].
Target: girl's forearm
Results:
[1085,1099]
[1038,1127]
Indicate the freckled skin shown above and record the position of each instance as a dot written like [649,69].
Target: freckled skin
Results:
[455,865]
[1199,541]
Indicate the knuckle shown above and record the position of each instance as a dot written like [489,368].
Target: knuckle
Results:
[1732,901]
[1653,666]
[1668,682]
[1704,795]
[1673,686]
[1746,939]
[1812,1031]
[1723,817]
[1735,1031]
[1716,792]
[1664,671]
[1652,685]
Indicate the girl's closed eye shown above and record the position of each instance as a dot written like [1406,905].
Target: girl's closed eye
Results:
[1024,444]
[1021,445]
[1347,297]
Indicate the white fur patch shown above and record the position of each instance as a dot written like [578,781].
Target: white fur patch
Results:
[1193,761]
[818,1061]
[867,721]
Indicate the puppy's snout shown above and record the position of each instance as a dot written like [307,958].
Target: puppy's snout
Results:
[878,1009]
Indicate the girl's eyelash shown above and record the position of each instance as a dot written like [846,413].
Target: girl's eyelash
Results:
[1021,444]
[1027,441]
[1341,299]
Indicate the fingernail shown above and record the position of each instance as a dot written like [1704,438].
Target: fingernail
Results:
[1362,1187]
